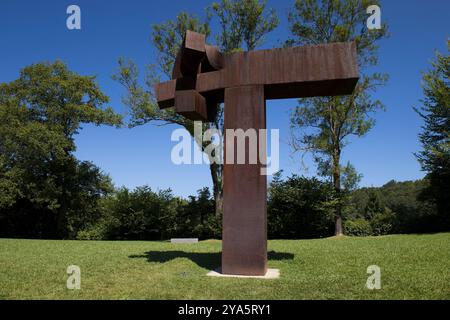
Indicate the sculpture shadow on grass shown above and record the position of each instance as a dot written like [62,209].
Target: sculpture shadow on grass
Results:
[207,260]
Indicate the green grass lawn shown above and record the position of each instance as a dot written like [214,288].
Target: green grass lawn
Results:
[412,267]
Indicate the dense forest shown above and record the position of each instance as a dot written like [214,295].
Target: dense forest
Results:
[298,208]
[46,192]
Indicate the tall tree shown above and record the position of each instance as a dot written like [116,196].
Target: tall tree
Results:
[40,113]
[435,137]
[242,25]
[322,125]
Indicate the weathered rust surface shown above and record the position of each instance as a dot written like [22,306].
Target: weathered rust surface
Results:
[193,57]
[244,235]
[191,104]
[203,78]
[192,53]
[321,70]
[165,93]
[214,59]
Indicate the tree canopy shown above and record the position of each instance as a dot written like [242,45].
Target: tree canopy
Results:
[435,137]
[40,178]
[322,125]
[241,25]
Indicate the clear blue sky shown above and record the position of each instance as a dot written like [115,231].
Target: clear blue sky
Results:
[34,31]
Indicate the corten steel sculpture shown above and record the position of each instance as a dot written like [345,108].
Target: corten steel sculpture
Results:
[203,77]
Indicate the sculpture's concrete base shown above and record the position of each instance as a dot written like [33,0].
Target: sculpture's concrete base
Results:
[271,274]
[184,240]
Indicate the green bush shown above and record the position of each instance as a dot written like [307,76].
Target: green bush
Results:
[142,214]
[408,213]
[358,227]
[299,208]
[381,223]
[97,232]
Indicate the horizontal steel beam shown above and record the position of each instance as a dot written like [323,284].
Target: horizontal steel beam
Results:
[320,70]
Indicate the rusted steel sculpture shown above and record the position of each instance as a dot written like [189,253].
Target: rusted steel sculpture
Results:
[203,77]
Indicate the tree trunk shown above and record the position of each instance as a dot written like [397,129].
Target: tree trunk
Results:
[219,203]
[61,223]
[338,231]
[61,218]
[216,175]
[338,226]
